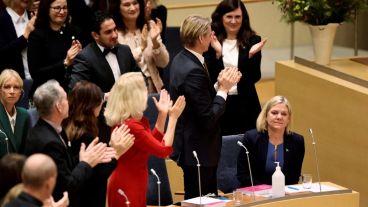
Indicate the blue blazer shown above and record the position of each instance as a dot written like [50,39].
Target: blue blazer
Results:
[257,144]
[17,139]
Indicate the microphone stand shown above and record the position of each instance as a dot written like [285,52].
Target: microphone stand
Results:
[315,157]
[250,170]
[6,141]
[158,186]
[121,192]
[199,177]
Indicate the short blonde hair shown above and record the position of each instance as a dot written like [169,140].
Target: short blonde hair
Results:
[10,73]
[192,27]
[128,98]
[262,117]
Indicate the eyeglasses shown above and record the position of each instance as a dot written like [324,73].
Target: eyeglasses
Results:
[59,8]
[9,88]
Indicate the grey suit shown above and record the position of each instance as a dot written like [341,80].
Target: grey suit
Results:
[91,65]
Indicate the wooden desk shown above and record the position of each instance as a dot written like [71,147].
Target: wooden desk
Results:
[342,198]
[337,110]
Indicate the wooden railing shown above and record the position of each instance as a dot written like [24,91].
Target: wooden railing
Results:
[186,6]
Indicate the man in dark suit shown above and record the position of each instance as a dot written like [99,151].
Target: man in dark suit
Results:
[198,127]
[15,26]
[104,60]
[48,137]
[38,177]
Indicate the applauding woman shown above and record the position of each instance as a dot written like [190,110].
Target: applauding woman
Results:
[53,44]
[85,102]
[126,104]
[237,46]
[143,39]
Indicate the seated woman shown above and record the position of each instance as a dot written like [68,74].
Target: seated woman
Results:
[126,104]
[14,121]
[271,142]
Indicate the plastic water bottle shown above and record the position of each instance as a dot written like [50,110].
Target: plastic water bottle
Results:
[278,182]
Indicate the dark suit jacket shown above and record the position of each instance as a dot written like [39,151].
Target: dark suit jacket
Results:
[17,139]
[198,127]
[90,64]
[71,173]
[257,144]
[25,200]
[11,45]
[242,110]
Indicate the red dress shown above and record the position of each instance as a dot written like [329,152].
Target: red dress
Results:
[131,174]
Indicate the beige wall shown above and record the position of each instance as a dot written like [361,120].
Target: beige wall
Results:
[266,20]
[268,26]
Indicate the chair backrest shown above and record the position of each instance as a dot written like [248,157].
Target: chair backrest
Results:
[151,110]
[227,167]
[24,100]
[33,115]
[159,165]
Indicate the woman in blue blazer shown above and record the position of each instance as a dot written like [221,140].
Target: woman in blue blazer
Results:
[272,141]
[14,121]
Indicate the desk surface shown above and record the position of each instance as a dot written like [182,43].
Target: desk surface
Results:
[342,197]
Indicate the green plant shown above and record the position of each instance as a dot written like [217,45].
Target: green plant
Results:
[320,12]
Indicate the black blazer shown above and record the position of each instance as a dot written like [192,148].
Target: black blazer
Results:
[11,45]
[242,110]
[198,126]
[93,192]
[257,144]
[90,64]
[47,50]
[71,173]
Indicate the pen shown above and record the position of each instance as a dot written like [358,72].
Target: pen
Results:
[293,188]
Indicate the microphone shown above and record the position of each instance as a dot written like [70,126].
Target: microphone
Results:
[250,170]
[6,140]
[315,157]
[199,177]
[158,186]
[121,192]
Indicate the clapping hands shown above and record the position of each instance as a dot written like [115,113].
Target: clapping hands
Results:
[121,140]
[257,47]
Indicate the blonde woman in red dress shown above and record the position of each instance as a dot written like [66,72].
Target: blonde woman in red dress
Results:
[126,104]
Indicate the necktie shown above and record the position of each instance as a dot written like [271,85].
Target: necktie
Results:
[206,69]
[108,50]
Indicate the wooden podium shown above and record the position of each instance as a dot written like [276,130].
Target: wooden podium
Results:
[334,103]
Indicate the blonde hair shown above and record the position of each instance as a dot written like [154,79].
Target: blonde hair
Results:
[192,27]
[10,73]
[262,117]
[128,98]
[12,193]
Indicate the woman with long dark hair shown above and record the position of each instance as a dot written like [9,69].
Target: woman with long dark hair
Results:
[143,39]
[85,102]
[238,46]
